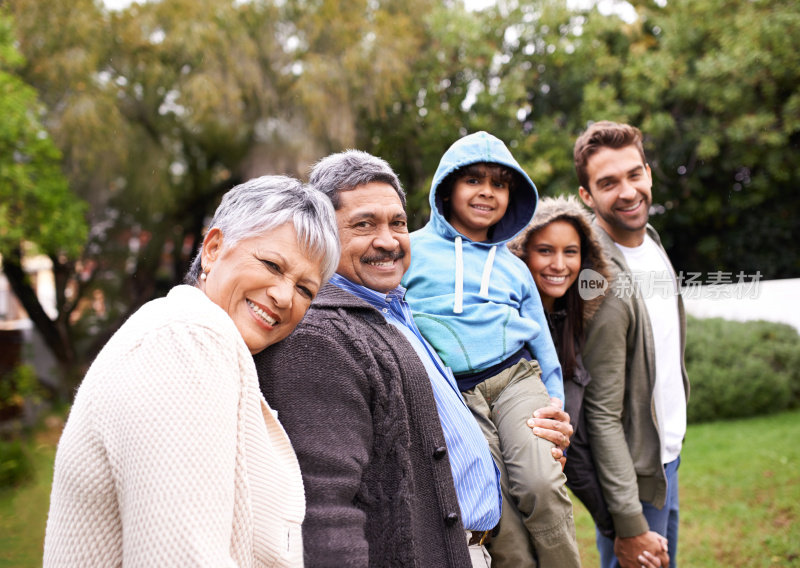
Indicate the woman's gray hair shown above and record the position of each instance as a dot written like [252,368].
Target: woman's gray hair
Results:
[347,170]
[267,202]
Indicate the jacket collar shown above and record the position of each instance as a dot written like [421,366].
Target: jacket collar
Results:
[612,250]
[331,296]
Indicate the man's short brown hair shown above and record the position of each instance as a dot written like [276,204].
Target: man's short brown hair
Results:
[603,134]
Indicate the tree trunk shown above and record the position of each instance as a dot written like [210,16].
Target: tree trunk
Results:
[54,333]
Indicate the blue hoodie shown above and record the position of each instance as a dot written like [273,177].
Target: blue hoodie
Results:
[476,302]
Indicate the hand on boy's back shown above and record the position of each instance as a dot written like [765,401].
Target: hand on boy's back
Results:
[552,424]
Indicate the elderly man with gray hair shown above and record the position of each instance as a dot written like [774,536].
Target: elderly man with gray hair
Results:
[395,468]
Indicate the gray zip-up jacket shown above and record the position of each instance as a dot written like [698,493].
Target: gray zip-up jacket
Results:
[620,356]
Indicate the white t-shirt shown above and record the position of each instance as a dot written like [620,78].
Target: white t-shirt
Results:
[656,281]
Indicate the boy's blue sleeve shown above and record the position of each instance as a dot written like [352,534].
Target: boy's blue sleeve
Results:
[542,346]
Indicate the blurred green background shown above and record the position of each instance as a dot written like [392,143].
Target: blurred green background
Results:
[121,128]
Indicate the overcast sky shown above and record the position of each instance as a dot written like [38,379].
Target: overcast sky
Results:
[116,4]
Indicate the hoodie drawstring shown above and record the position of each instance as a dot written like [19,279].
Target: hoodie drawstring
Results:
[458,302]
[487,271]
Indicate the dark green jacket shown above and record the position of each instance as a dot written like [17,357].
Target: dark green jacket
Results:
[620,356]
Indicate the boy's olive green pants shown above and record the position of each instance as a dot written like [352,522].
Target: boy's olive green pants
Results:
[536,528]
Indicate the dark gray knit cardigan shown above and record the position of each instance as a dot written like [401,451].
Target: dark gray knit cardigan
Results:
[357,404]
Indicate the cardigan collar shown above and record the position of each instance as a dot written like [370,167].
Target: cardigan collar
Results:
[331,296]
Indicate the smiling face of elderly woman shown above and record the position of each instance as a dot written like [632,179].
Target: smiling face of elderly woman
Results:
[264,283]
[272,245]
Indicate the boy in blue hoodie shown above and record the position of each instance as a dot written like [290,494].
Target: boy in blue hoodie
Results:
[477,304]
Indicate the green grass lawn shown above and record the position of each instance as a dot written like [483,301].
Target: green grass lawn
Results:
[23,512]
[739,493]
[740,498]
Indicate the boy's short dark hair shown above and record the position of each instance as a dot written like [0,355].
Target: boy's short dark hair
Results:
[499,172]
[603,134]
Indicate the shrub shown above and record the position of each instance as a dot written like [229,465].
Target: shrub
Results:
[740,369]
[16,467]
[16,387]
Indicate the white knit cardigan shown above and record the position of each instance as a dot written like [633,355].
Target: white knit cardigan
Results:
[170,456]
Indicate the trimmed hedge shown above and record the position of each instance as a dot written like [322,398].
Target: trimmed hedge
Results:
[740,369]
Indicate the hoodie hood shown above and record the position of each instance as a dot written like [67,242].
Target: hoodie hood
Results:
[476,148]
[476,302]
[557,208]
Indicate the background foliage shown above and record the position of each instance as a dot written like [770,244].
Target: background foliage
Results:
[740,369]
[131,124]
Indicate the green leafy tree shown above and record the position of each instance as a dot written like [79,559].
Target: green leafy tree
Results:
[189,86]
[713,84]
[38,213]
[444,95]
[216,92]
[154,109]
[157,110]
[724,113]
[160,108]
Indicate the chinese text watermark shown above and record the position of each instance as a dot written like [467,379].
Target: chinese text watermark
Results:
[716,285]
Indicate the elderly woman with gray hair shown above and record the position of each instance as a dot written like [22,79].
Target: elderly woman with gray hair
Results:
[170,455]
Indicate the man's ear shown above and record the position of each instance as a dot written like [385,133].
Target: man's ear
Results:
[586,197]
[212,247]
